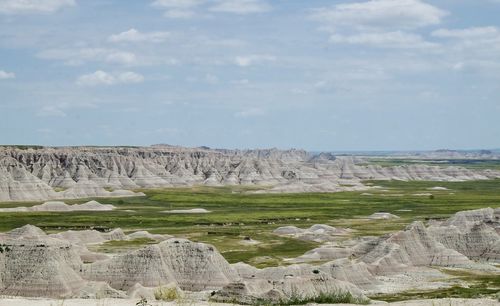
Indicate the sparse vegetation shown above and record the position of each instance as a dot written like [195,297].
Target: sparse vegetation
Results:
[236,214]
[122,245]
[142,302]
[322,298]
[476,164]
[478,286]
[167,294]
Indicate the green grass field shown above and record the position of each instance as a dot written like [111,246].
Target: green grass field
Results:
[236,214]
[474,164]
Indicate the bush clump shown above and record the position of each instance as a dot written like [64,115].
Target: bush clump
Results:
[322,298]
[167,294]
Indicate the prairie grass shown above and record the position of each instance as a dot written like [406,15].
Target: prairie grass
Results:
[238,213]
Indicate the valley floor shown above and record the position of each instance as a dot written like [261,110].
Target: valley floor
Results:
[241,223]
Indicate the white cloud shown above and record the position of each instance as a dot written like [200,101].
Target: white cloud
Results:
[83,55]
[103,78]
[396,39]
[473,44]
[190,8]
[97,78]
[119,57]
[60,109]
[398,14]
[134,35]
[178,8]
[178,4]
[475,32]
[33,6]
[251,112]
[248,60]
[130,77]
[241,6]
[6,75]
[472,50]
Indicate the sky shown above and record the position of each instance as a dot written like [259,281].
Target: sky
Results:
[318,75]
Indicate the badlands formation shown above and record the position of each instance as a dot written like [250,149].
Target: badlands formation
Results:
[34,264]
[41,174]
[57,206]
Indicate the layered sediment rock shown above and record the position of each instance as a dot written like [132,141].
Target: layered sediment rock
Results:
[35,264]
[84,172]
[317,232]
[281,284]
[193,266]
[474,233]
[57,206]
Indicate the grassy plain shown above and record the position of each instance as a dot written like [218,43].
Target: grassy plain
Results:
[237,213]
[476,164]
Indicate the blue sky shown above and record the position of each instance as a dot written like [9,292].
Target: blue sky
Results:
[319,75]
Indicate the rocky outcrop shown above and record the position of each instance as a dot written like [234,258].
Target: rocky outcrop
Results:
[57,206]
[35,174]
[281,284]
[382,216]
[193,266]
[474,233]
[60,265]
[317,232]
[459,242]
[35,264]
[32,264]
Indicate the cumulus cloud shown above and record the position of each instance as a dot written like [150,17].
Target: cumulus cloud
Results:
[475,40]
[474,32]
[103,78]
[190,8]
[135,36]
[396,39]
[33,6]
[4,75]
[399,14]
[130,77]
[177,3]
[126,58]
[474,49]
[80,56]
[248,60]
[240,6]
[178,8]
[380,23]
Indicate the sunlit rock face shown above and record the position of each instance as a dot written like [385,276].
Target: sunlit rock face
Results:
[36,174]
[59,265]
[33,264]
[193,266]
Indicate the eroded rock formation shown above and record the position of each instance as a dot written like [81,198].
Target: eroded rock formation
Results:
[35,264]
[36,174]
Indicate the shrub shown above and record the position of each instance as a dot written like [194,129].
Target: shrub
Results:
[143,302]
[323,298]
[167,294]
